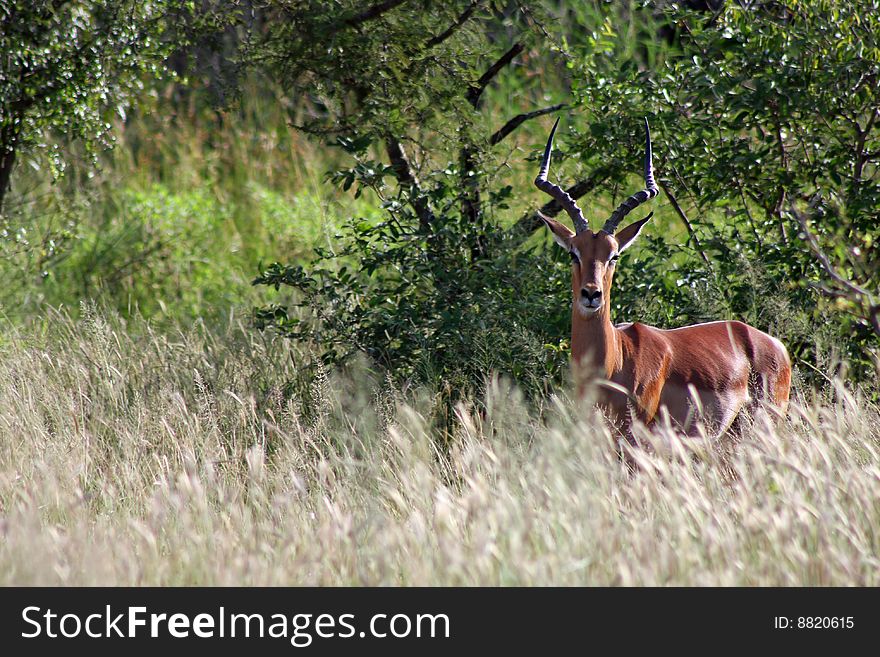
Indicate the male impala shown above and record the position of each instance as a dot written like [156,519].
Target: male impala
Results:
[715,367]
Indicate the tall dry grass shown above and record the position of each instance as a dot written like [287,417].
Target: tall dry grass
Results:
[129,456]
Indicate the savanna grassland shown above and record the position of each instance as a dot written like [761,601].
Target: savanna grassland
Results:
[390,403]
[136,456]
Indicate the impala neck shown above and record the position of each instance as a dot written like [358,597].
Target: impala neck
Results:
[595,342]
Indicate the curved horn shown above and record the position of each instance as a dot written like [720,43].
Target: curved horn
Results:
[638,198]
[559,194]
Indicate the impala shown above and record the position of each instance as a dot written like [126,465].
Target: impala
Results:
[710,370]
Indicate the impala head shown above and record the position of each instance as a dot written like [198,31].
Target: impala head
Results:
[594,255]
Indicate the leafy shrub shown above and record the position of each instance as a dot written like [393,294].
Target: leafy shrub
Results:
[417,301]
[756,110]
[746,125]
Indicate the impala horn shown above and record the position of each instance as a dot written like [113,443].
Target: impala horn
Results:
[638,198]
[559,194]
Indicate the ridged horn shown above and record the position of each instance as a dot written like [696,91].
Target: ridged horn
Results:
[638,198]
[560,195]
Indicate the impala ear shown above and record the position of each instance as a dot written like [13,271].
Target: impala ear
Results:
[561,234]
[628,235]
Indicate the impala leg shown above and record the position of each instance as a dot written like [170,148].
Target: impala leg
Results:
[734,402]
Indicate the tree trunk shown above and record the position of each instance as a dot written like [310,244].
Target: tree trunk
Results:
[470,200]
[7,162]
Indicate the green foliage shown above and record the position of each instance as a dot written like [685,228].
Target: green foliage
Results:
[434,290]
[406,103]
[178,254]
[417,303]
[68,67]
[755,109]
[177,217]
[746,123]
[374,74]
[419,87]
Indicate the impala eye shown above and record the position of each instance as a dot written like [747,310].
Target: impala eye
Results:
[614,257]
[574,259]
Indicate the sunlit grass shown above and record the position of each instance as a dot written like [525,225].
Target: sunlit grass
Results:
[179,217]
[131,456]
[193,200]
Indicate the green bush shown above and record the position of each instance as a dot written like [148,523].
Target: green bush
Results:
[416,301]
[440,289]
[757,111]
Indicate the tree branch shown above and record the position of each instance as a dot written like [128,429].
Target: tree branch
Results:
[372,12]
[860,154]
[825,261]
[874,318]
[690,227]
[519,119]
[470,180]
[474,93]
[783,161]
[403,173]
[452,29]
[531,221]
[851,292]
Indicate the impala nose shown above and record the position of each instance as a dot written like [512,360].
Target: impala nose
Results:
[591,295]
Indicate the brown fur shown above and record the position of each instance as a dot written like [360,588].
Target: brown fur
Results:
[718,367]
